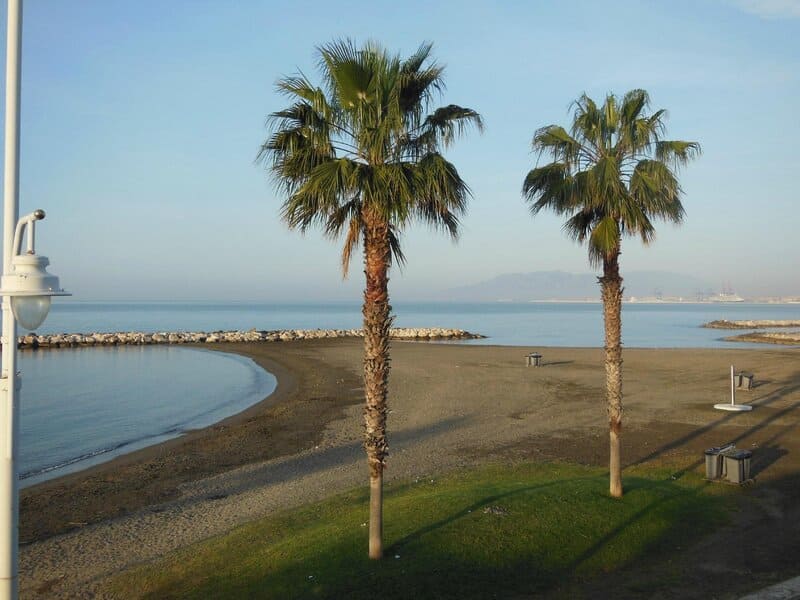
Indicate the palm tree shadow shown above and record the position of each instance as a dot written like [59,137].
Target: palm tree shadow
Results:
[686,494]
[727,418]
[619,529]
[482,503]
[284,469]
[766,456]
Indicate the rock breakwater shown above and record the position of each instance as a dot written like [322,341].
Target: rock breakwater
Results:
[789,338]
[137,338]
[764,323]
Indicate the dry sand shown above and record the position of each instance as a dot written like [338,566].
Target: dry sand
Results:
[451,406]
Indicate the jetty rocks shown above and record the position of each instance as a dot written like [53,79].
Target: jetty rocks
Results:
[136,338]
[752,324]
[791,338]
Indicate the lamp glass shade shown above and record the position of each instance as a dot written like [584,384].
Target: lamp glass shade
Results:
[30,311]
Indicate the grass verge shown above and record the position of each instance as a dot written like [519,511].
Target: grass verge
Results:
[493,532]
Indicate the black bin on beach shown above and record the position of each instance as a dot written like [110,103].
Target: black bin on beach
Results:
[737,465]
[715,466]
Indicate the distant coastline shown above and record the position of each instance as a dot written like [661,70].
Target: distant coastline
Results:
[649,300]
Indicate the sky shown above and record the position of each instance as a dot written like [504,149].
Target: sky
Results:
[141,122]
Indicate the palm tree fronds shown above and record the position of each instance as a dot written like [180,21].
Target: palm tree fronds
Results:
[365,140]
[549,186]
[394,245]
[445,124]
[555,140]
[677,153]
[612,164]
[350,243]
[604,238]
[579,226]
[656,189]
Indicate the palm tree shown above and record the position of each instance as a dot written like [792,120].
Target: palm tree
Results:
[360,156]
[612,175]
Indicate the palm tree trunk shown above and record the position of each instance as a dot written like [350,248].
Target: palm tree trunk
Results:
[376,368]
[611,285]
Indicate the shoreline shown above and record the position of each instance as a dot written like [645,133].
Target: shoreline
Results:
[286,380]
[286,384]
[211,450]
[283,384]
[452,406]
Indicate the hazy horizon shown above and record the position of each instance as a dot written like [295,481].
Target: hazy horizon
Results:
[642,284]
[141,122]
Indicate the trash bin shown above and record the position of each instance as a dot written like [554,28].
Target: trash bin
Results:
[715,467]
[737,465]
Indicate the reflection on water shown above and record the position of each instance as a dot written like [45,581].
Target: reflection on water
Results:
[81,406]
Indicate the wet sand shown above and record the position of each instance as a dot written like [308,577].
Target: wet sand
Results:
[451,406]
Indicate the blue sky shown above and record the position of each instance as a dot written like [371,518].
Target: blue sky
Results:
[141,121]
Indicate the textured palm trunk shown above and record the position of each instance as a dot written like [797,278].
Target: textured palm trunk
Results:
[611,286]
[377,322]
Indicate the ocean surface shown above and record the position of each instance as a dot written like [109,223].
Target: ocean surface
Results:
[82,406]
[659,325]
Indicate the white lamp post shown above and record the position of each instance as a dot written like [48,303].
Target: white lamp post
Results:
[26,288]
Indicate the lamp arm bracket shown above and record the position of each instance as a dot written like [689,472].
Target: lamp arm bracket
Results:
[22,224]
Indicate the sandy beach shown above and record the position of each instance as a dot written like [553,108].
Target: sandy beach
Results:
[452,406]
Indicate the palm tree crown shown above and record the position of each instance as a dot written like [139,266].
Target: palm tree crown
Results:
[364,145]
[612,174]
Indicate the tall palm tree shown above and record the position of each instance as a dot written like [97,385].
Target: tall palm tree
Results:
[361,157]
[612,175]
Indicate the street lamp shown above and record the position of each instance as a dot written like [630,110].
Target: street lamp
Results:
[26,288]
[29,284]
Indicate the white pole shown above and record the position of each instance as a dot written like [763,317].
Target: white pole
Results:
[733,388]
[9,413]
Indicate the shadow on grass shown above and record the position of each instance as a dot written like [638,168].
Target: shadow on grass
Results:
[446,546]
[484,502]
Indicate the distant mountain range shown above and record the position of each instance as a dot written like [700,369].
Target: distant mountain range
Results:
[559,285]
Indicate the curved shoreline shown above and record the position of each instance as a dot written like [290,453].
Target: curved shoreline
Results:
[155,473]
[200,375]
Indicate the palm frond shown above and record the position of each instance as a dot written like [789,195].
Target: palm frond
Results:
[350,243]
[554,140]
[604,239]
[579,225]
[398,257]
[677,153]
[549,186]
[656,189]
[442,127]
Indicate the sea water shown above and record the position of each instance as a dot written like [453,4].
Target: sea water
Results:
[81,406]
[657,325]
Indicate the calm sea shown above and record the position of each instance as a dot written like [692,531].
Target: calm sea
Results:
[521,324]
[85,405]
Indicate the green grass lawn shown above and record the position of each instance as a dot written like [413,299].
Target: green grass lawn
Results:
[493,532]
